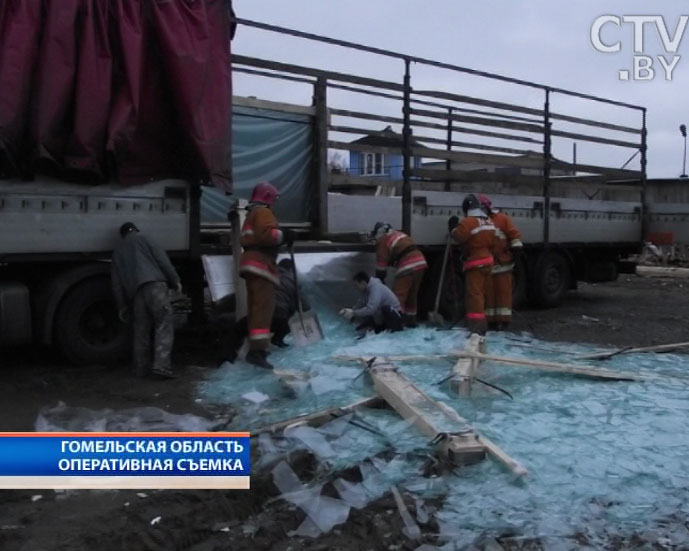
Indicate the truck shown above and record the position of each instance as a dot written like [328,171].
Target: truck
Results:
[162,142]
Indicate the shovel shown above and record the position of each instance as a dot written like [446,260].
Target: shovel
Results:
[304,326]
[435,317]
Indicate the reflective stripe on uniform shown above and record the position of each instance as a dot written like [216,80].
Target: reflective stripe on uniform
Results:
[478,263]
[516,243]
[259,334]
[500,234]
[502,268]
[485,227]
[395,239]
[259,269]
[412,266]
[490,311]
[502,312]
[475,316]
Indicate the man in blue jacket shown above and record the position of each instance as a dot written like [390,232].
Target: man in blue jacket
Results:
[378,309]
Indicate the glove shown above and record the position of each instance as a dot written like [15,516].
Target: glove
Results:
[289,236]
[123,314]
[380,274]
[452,223]
[347,313]
[178,288]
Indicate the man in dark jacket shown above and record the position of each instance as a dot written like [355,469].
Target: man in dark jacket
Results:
[285,307]
[141,276]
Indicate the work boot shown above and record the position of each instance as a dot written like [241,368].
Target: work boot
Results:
[166,373]
[493,326]
[410,321]
[259,359]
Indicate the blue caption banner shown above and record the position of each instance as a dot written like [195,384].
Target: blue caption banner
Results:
[124,454]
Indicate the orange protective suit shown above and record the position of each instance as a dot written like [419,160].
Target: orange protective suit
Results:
[260,239]
[397,249]
[499,301]
[476,234]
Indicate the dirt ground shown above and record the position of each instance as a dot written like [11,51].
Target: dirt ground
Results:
[631,311]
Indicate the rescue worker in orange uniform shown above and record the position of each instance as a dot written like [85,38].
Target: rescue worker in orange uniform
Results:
[508,241]
[395,248]
[261,237]
[476,234]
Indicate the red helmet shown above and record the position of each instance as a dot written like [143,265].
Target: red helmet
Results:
[264,192]
[485,202]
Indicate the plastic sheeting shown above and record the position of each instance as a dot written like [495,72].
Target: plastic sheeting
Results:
[599,454]
[145,84]
[267,145]
[144,419]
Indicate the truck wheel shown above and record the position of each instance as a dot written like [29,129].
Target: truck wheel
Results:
[551,279]
[87,329]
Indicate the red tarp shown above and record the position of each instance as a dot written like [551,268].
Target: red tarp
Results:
[132,89]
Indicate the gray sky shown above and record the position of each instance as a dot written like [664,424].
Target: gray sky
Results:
[539,40]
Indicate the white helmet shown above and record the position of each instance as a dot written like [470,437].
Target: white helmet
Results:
[381,228]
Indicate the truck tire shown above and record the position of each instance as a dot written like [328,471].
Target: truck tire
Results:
[87,329]
[551,279]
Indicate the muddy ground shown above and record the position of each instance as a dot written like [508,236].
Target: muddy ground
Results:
[632,311]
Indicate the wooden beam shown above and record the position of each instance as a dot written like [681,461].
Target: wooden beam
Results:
[471,145]
[553,367]
[637,350]
[319,417]
[660,271]
[273,105]
[465,369]
[479,101]
[595,139]
[460,444]
[440,175]
[300,70]
[483,121]
[599,124]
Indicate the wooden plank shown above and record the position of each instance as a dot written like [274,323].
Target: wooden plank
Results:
[660,271]
[553,367]
[595,139]
[409,358]
[330,75]
[273,105]
[366,116]
[478,101]
[620,173]
[471,145]
[470,157]
[482,121]
[319,417]
[466,368]
[462,445]
[636,350]
[440,175]
[599,124]
[364,147]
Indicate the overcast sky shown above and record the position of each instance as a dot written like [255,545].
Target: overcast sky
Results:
[547,41]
